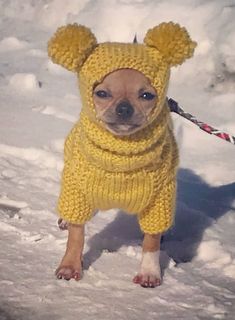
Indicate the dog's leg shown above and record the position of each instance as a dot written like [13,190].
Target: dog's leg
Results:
[149,275]
[71,264]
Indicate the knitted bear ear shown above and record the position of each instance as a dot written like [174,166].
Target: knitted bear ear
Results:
[172,40]
[71,45]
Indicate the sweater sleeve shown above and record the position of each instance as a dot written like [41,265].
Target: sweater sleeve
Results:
[159,216]
[72,204]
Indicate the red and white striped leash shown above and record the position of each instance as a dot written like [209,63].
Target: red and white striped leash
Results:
[174,107]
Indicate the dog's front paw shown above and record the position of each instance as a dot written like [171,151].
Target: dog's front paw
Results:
[147,280]
[150,272]
[68,273]
[70,267]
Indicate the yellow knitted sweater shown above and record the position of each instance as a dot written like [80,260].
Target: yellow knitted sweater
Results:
[136,173]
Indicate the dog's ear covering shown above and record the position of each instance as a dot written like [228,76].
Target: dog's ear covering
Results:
[173,42]
[71,45]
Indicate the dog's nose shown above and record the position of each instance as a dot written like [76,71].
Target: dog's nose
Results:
[124,110]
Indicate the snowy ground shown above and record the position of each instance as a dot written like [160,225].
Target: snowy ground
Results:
[39,103]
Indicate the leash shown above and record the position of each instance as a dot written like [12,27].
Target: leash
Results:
[174,107]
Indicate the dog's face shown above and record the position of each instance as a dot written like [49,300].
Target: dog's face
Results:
[123,101]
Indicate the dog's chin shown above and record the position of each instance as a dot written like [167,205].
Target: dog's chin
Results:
[122,129]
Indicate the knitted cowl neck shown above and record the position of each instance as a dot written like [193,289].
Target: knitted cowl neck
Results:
[143,149]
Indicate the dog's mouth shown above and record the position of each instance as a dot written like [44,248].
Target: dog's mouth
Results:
[122,129]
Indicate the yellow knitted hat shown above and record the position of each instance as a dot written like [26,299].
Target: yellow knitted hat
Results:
[75,48]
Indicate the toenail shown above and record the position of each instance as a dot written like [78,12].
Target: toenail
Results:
[144,284]
[77,276]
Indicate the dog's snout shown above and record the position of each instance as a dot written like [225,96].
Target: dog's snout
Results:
[124,110]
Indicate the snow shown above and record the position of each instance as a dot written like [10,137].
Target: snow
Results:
[24,81]
[39,104]
[12,43]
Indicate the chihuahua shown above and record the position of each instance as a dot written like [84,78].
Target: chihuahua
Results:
[122,152]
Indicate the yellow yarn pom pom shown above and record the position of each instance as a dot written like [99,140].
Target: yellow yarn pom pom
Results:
[71,45]
[172,40]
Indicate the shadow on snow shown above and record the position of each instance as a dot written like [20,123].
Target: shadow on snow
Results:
[199,205]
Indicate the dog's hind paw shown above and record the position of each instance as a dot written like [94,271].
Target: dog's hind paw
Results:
[62,224]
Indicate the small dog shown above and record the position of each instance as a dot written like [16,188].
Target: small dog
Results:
[122,152]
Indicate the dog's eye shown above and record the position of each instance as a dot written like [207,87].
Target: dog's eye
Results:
[102,94]
[147,96]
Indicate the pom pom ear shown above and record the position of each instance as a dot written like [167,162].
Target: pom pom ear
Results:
[172,40]
[71,45]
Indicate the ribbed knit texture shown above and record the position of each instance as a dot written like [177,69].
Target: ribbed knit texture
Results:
[136,173]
